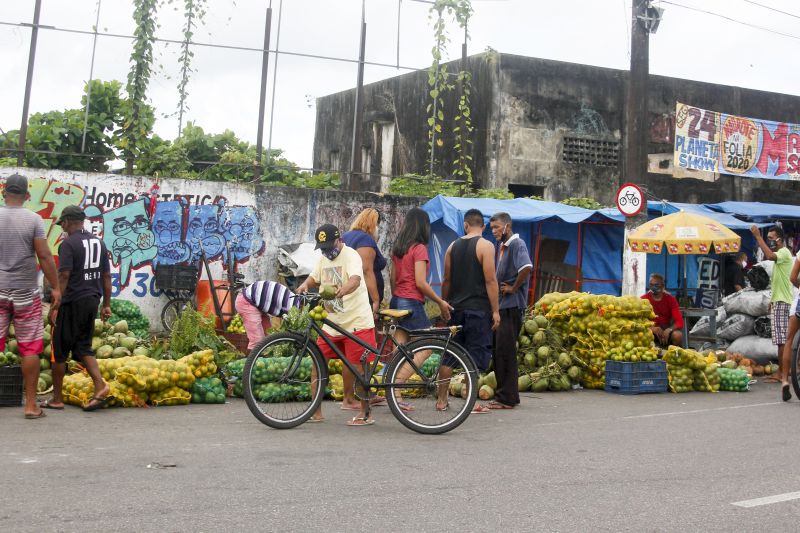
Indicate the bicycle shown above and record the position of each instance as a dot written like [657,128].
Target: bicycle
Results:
[181,280]
[794,370]
[285,375]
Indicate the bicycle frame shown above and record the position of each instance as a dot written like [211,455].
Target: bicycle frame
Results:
[365,379]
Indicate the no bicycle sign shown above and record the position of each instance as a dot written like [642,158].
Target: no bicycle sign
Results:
[630,200]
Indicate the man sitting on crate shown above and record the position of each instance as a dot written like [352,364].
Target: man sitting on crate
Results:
[668,325]
[259,301]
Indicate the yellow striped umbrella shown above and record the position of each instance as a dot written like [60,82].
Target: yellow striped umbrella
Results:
[683,233]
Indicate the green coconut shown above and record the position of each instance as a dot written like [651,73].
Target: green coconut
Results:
[531,327]
[121,326]
[486,393]
[128,342]
[541,321]
[141,350]
[540,337]
[120,351]
[490,380]
[524,382]
[564,360]
[104,351]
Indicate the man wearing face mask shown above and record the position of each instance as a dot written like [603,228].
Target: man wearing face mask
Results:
[734,274]
[513,271]
[668,325]
[775,250]
[341,267]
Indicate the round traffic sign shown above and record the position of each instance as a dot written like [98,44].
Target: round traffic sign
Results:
[630,200]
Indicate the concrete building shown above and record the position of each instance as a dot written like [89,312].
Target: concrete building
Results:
[543,127]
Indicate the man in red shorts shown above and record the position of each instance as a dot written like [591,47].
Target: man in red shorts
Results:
[340,266]
[23,241]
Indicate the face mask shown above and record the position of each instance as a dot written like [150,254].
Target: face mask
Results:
[772,244]
[331,254]
[655,289]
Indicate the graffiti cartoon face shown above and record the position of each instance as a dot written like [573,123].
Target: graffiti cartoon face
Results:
[126,232]
[168,226]
[204,227]
[241,231]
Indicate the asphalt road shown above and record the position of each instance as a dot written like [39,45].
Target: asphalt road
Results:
[578,461]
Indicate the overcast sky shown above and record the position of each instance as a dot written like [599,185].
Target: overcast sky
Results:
[224,90]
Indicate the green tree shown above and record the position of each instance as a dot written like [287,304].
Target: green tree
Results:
[54,138]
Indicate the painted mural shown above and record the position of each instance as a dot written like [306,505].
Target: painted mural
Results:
[145,229]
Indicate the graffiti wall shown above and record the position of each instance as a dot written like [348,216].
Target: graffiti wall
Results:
[146,222]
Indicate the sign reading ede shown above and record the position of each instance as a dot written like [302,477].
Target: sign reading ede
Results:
[630,200]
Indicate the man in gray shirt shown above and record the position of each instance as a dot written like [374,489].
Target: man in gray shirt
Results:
[22,241]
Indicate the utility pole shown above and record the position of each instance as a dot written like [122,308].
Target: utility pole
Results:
[262,101]
[636,134]
[355,181]
[644,20]
[23,128]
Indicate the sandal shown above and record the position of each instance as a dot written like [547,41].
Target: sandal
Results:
[375,401]
[405,406]
[497,405]
[480,409]
[34,417]
[315,420]
[443,408]
[46,405]
[786,394]
[101,402]
[360,421]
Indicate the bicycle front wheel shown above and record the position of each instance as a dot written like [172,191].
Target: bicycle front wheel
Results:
[284,380]
[173,310]
[794,371]
[424,401]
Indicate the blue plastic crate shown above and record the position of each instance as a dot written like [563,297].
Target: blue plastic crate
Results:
[636,378]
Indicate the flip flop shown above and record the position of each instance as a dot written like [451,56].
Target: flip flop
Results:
[786,393]
[377,400]
[315,420]
[771,379]
[41,414]
[498,405]
[480,409]
[405,406]
[343,408]
[442,409]
[101,402]
[360,421]
[46,405]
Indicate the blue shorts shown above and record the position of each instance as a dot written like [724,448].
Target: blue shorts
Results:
[418,319]
[476,336]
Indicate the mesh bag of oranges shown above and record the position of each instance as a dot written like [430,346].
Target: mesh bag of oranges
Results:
[201,363]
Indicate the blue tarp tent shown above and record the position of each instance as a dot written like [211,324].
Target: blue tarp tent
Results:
[757,211]
[594,239]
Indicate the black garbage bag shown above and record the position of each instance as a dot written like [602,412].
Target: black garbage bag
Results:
[758,277]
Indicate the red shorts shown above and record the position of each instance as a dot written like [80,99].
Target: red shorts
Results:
[351,349]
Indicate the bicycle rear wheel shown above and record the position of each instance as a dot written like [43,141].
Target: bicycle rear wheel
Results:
[284,382]
[422,401]
[173,309]
[794,371]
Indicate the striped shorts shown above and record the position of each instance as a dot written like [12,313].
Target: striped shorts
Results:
[23,308]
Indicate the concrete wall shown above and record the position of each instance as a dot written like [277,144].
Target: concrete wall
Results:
[400,104]
[524,107]
[248,221]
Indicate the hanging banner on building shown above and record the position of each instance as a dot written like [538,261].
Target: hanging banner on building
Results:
[717,142]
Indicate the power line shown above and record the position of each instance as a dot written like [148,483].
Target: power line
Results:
[224,46]
[773,9]
[690,8]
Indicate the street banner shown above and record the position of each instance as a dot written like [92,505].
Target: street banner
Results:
[717,142]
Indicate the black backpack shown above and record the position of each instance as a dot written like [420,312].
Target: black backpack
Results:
[758,277]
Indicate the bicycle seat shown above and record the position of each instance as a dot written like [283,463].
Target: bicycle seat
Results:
[395,313]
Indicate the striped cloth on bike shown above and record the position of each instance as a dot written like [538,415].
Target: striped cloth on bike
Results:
[271,297]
